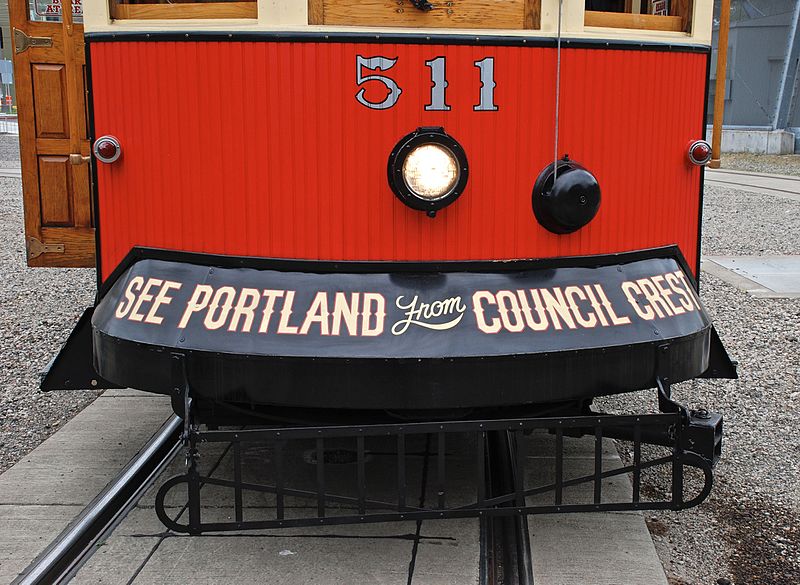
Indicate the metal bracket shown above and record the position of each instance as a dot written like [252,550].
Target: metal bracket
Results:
[423,5]
[664,382]
[181,393]
[36,248]
[182,397]
[23,42]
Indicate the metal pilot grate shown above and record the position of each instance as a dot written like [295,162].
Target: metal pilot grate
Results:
[325,506]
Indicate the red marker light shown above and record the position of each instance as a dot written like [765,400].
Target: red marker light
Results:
[700,152]
[107,149]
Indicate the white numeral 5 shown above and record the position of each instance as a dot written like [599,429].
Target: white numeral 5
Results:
[374,63]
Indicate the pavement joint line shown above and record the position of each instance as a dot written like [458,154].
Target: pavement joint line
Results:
[423,490]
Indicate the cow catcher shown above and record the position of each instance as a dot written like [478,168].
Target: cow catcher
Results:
[387,229]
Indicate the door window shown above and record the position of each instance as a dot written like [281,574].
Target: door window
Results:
[667,15]
[50,11]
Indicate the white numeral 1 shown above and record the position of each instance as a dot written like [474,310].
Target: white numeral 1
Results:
[487,85]
[439,79]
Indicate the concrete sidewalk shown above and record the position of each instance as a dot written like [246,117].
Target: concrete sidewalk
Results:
[44,491]
[772,277]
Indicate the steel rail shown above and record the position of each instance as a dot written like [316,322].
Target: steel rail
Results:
[505,557]
[62,558]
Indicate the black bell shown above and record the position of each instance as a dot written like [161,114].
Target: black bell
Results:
[569,202]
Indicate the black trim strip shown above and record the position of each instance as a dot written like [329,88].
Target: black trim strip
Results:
[702,176]
[366,267]
[393,38]
[93,170]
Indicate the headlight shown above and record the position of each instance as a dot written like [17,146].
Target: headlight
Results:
[428,170]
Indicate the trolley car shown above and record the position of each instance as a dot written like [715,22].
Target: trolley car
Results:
[372,210]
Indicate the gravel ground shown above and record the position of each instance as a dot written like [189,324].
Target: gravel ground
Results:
[9,151]
[38,307]
[748,531]
[738,223]
[787,164]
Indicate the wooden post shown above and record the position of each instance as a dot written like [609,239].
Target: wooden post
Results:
[719,94]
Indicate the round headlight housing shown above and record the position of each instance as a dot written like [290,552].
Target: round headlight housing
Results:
[428,169]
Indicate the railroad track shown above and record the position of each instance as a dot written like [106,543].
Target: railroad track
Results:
[504,540]
[59,562]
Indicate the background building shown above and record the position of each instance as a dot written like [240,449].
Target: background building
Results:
[761,112]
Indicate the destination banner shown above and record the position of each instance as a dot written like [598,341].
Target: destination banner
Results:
[399,314]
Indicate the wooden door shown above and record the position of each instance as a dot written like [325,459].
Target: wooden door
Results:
[54,147]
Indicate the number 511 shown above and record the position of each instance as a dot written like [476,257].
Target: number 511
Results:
[438,77]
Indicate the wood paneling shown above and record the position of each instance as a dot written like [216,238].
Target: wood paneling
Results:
[51,95]
[79,247]
[640,21]
[82,215]
[55,190]
[50,100]
[533,14]
[185,10]
[316,12]
[508,14]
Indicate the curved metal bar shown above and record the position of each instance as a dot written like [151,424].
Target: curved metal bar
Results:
[694,460]
[161,511]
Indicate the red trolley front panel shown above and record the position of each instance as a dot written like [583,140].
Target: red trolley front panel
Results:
[279,149]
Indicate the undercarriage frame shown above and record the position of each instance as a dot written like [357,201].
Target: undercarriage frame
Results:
[692,439]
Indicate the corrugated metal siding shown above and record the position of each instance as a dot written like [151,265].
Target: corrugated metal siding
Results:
[261,149]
